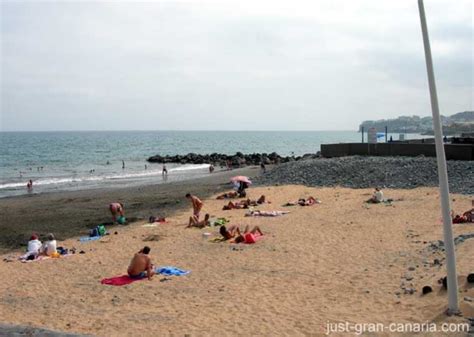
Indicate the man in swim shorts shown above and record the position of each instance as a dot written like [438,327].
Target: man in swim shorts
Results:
[197,205]
[141,266]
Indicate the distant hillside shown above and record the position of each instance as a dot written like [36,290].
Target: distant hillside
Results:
[457,123]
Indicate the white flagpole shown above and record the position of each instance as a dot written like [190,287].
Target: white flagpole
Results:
[453,307]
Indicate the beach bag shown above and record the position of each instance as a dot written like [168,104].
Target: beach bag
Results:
[94,232]
[101,230]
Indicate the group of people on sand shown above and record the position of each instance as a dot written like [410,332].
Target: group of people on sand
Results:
[244,203]
[36,248]
[234,234]
[466,217]
[310,201]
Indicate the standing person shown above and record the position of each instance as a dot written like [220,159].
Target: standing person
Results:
[116,208]
[197,205]
[141,266]
[262,166]
[211,168]
[165,170]
[146,167]
[123,164]
[29,185]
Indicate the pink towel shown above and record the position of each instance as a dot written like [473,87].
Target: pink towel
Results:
[120,280]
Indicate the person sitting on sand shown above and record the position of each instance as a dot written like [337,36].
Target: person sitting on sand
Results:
[228,195]
[116,208]
[193,222]
[141,266]
[248,236]
[377,197]
[34,247]
[229,233]
[197,205]
[466,217]
[49,247]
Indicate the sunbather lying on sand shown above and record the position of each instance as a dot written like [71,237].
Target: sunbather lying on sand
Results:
[141,265]
[266,213]
[229,233]
[193,222]
[304,202]
[466,217]
[228,195]
[244,203]
[248,236]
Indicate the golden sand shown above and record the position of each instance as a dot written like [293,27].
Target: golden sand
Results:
[342,260]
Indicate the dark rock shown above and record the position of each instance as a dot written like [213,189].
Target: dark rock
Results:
[470,278]
[426,290]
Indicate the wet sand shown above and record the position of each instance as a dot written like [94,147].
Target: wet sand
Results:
[69,214]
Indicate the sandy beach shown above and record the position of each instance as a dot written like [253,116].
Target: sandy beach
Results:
[336,262]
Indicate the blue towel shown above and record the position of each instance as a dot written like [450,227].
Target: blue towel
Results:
[171,271]
[89,238]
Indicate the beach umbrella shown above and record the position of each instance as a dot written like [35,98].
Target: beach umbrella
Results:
[453,306]
[242,179]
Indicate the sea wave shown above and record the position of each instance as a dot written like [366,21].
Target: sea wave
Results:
[98,178]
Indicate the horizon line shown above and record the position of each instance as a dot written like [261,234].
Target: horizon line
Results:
[171,130]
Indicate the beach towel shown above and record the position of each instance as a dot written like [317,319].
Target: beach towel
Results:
[42,258]
[267,213]
[120,280]
[218,239]
[89,238]
[219,222]
[150,225]
[171,271]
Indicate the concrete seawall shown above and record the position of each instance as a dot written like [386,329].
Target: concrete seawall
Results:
[453,151]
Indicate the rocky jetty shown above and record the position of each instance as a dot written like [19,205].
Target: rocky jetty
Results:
[370,172]
[237,160]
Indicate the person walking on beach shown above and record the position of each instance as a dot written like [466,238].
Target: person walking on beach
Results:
[197,205]
[165,170]
[262,167]
[141,266]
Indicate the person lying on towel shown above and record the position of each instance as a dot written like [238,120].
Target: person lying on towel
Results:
[244,203]
[266,213]
[141,266]
[228,195]
[248,236]
[229,233]
[304,202]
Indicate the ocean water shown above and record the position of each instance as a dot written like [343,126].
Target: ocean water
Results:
[58,161]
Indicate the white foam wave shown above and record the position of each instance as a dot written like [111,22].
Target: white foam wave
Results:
[85,179]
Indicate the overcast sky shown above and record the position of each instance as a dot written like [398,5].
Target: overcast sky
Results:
[228,65]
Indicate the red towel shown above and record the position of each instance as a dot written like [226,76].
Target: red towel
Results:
[120,280]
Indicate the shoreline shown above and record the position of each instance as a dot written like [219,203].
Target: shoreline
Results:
[70,214]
